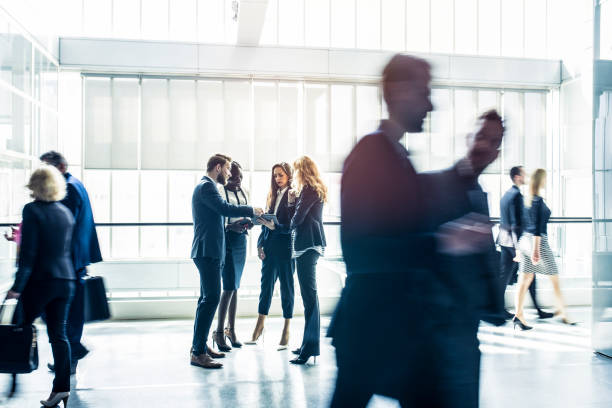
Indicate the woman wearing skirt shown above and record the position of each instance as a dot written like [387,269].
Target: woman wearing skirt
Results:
[536,255]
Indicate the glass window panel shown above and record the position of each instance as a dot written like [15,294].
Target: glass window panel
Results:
[238,124]
[260,187]
[70,113]
[154,19]
[368,109]
[342,124]
[179,241]
[180,192]
[466,27]
[97,18]
[442,26]
[265,103]
[98,187]
[153,196]
[316,122]
[417,26]
[97,107]
[393,25]
[343,23]
[155,124]
[124,243]
[124,196]
[513,122]
[269,32]
[20,174]
[17,61]
[210,21]
[15,122]
[48,130]
[489,100]
[441,136]
[332,206]
[535,131]
[465,119]
[368,24]
[512,28]
[489,34]
[605,35]
[124,153]
[210,119]
[290,121]
[154,242]
[183,25]
[535,28]
[126,19]
[490,183]
[575,189]
[70,21]
[231,26]
[317,23]
[291,22]
[182,153]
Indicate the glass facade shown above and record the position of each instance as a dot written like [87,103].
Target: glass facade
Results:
[28,122]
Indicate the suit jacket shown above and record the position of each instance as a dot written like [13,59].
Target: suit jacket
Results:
[85,247]
[208,209]
[537,217]
[277,242]
[45,252]
[511,217]
[307,221]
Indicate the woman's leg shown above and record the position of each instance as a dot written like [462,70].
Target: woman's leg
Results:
[307,276]
[558,295]
[233,307]
[226,297]
[523,285]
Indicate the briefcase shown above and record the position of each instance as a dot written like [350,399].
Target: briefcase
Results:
[96,303]
[19,350]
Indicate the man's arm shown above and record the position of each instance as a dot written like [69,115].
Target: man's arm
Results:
[516,218]
[213,200]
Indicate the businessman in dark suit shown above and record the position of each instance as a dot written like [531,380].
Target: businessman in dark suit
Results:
[85,250]
[208,251]
[510,230]
[395,225]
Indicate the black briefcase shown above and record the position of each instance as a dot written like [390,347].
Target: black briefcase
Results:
[19,350]
[96,303]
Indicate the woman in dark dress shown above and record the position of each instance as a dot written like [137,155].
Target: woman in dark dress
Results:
[44,282]
[274,250]
[308,245]
[235,257]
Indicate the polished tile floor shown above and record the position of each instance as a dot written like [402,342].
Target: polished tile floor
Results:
[145,364]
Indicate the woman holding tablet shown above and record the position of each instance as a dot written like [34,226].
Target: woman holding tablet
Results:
[274,250]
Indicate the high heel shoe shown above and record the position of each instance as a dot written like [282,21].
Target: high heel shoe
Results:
[55,400]
[302,359]
[284,341]
[261,336]
[217,337]
[565,320]
[523,326]
[297,351]
[230,335]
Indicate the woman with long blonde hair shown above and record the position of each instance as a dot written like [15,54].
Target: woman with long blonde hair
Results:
[308,245]
[536,255]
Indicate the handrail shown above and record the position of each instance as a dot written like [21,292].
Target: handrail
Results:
[553,220]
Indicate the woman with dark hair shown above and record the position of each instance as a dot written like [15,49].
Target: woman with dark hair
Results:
[308,245]
[45,277]
[235,257]
[274,250]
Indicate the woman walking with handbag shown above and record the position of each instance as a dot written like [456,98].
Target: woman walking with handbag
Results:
[44,282]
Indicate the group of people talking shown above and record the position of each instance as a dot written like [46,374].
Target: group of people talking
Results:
[293,239]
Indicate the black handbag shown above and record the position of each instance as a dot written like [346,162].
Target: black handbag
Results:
[96,303]
[19,351]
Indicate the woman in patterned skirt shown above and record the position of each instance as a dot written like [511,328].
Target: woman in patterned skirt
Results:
[535,253]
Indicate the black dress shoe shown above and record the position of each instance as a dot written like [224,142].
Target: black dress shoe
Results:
[544,315]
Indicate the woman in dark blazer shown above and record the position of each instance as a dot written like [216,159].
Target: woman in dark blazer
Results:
[308,245]
[274,250]
[45,276]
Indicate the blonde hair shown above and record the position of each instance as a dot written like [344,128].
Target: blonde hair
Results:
[307,174]
[47,184]
[535,184]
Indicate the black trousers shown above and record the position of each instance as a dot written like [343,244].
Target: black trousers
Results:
[509,269]
[76,315]
[52,298]
[210,294]
[273,268]
[307,276]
